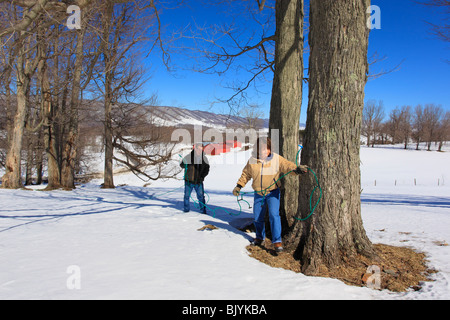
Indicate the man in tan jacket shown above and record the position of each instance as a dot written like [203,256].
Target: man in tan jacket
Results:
[266,168]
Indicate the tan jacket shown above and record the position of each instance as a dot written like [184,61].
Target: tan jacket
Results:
[265,173]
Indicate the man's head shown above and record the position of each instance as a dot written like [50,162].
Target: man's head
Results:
[198,148]
[262,148]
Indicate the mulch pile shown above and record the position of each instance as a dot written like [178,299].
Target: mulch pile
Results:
[400,268]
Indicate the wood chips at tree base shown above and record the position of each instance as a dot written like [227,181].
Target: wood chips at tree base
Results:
[400,268]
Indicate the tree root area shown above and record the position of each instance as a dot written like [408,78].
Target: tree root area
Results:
[398,269]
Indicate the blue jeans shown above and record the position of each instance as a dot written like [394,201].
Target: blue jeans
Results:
[272,202]
[200,196]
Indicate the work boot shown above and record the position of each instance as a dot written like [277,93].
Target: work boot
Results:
[278,247]
[257,242]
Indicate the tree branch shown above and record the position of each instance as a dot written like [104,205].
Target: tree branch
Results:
[27,19]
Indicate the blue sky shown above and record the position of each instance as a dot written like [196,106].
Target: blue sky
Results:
[424,75]
[404,38]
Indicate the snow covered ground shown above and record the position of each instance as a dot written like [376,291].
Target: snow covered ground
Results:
[135,242]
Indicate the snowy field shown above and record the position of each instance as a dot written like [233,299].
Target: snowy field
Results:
[135,242]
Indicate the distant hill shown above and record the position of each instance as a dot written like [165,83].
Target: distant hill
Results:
[92,115]
[173,116]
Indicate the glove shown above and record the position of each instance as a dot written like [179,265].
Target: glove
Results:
[301,169]
[237,190]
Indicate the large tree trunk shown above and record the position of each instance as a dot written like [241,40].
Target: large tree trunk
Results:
[50,131]
[108,178]
[338,69]
[287,96]
[39,157]
[12,178]
[8,98]
[71,141]
[9,113]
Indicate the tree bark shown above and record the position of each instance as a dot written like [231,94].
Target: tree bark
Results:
[108,178]
[287,97]
[12,178]
[338,70]
[39,157]
[50,131]
[71,141]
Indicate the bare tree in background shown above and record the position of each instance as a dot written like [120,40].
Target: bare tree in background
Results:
[33,41]
[418,125]
[444,130]
[139,144]
[373,115]
[26,36]
[432,115]
[27,58]
[253,115]
[123,26]
[393,125]
[405,125]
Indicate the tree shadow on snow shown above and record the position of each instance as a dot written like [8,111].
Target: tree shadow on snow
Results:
[59,204]
[408,200]
[233,217]
[85,201]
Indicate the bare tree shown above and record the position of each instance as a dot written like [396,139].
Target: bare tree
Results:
[405,127]
[393,125]
[26,63]
[122,28]
[225,48]
[431,115]
[59,79]
[443,134]
[418,125]
[253,115]
[26,37]
[139,144]
[373,115]
[31,28]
